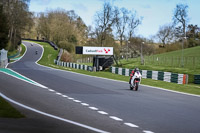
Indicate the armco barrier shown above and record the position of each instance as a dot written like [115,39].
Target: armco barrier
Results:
[156,75]
[73,65]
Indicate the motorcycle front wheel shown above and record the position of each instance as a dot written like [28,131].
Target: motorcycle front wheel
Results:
[131,88]
[136,86]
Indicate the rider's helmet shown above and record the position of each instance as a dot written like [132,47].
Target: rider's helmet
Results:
[136,69]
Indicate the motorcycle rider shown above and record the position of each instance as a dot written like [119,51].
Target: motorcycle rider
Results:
[132,75]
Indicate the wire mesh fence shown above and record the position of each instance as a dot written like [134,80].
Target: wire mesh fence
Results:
[185,62]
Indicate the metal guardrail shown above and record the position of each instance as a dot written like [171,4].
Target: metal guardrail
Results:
[60,54]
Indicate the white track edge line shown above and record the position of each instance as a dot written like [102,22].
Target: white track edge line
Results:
[53,116]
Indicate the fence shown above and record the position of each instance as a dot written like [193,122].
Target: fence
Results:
[187,62]
[85,60]
[73,65]
[156,75]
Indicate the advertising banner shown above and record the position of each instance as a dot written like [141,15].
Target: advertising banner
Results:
[98,50]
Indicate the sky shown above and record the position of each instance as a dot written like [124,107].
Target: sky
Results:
[155,13]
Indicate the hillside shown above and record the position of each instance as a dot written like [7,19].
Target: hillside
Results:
[189,52]
[169,62]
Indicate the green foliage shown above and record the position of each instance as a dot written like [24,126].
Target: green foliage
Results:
[72,39]
[65,28]
[3,29]
[7,111]
[69,46]
[18,18]
[192,42]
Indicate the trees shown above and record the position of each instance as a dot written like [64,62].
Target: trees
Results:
[133,23]
[166,34]
[181,17]
[104,21]
[121,20]
[114,24]
[65,28]
[3,29]
[18,18]
[193,35]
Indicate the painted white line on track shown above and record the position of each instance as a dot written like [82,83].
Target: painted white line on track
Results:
[53,116]
[77,101]
[70,98]
[102,112]
[147,131]
[85,104]
[172,91]
[131,125]
[116,118]
[93,108]
[64,96]
[58,93]
[51,90]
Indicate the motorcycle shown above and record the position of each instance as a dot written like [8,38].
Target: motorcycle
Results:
[135,80]
[36,52]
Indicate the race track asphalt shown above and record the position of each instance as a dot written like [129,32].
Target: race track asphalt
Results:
[112,107]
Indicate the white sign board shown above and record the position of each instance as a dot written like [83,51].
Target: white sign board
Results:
[98,50]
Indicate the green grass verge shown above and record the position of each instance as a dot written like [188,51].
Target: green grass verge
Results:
[19,56]
[50,54]
[23,50]
[14,52]
[7,111]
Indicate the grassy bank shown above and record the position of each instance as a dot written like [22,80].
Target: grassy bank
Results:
[10,53]
[7,111]
[169,62]
[50,54]
[14,52]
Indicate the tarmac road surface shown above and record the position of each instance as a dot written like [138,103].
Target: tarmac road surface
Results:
[79,103]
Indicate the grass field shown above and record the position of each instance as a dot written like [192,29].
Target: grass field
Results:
[169,62]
